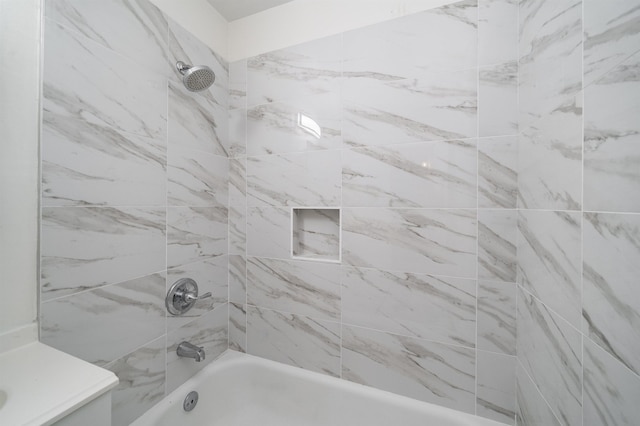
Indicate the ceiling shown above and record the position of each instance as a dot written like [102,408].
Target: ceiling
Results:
[236,9]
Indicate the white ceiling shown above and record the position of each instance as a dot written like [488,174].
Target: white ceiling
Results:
[236,9]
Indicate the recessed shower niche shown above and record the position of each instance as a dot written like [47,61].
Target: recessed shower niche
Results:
[315,234]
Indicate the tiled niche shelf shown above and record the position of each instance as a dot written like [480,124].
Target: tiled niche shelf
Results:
[316,234]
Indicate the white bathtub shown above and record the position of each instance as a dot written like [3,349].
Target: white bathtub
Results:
[242,390]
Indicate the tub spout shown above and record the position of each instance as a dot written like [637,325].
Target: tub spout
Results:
[187,350]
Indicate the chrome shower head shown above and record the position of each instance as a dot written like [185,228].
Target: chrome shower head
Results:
[196,78]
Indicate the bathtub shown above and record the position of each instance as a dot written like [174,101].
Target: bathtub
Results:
[242,390]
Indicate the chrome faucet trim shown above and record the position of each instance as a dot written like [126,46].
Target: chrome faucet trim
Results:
[187,350]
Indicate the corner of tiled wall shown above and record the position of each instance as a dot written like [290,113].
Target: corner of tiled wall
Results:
[134,195]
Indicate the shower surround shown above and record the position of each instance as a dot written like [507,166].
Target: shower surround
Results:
[480,153]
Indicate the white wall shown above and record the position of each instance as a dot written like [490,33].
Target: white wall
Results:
[201,19]
[304,20]
[19,131]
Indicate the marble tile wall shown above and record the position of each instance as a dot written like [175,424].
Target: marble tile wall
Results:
[135,195]
[578,234]
[416,142]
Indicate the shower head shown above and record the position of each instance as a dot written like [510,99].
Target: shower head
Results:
[196,78]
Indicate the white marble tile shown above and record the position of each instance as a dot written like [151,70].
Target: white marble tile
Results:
[497,317]
[440,242]
[497,31]
[496,393]
[433,106]
[497,245]
[611,34]
[140,33]
[498,100]
[196,122]
[610,390]
[238,84]
[237,206]
[197,179]
[428,371]
[296,179]
[612,140]
[237,327]
[88,164]
[142,379]
[305,73]
[444,38]
[86,247]
[185,47]
[211,275]
[549,257]
[550,159]
[104,324]
[414,305]
[550,350]
[210,331]
[237,132]
[611,299]
[269,232]
[297,287]
[86,81]
[550,48]
[237,279]
[195,233]
[295,340]
[498,172]
[278,128]
[532,409]
[428,174]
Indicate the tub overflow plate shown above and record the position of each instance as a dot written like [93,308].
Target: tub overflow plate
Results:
[190,401]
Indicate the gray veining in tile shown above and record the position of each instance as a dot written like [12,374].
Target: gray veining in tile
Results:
[498,100]
[612,140]
[195,233]
[498,172]
[434,106]
[196,122]
[238,84]
[142,379]
[428,371]
[551,352]
[269,232]
[197,179]
[296,179]
[298,287]
[496,393]
[295,340]
[445,172]
[237,132]
[497,317]
[237,327]
[104,324]
[497,234]
[611,34]
[611,299]
[88,164]
[87,247]
[237,206]
[532,409]
[497,31]
[549,260]
[440,242]
[140,33]
[415,305]
[86,81]
[610,390]
[237,279]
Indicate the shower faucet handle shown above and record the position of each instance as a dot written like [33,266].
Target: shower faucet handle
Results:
[182,295]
